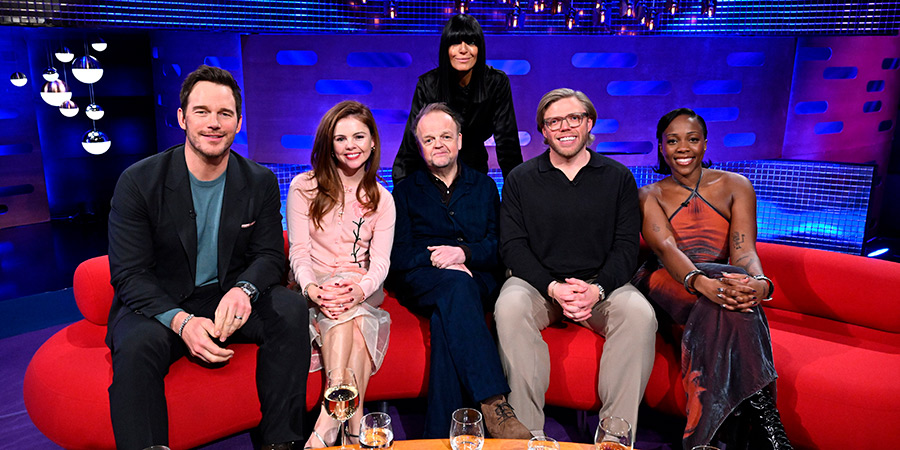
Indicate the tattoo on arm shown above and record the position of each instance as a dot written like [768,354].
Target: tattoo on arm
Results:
[655,228]
[739,262]
[737,240]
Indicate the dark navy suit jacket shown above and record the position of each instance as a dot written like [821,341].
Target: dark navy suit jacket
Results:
[470,219]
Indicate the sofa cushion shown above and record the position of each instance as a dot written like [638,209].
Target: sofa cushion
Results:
[836,286]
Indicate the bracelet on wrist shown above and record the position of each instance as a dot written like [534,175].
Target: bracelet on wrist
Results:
[306,291]
[768,281]
[183,323]
[688,281]
[550,288]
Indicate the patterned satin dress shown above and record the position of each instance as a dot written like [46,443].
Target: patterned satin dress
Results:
[726,356]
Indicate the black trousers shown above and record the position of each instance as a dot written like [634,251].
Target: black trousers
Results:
[143,349]
[465,364]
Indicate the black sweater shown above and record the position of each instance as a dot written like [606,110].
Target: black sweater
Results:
[588,228]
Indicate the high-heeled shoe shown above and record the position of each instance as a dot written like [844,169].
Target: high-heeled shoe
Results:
[310,445]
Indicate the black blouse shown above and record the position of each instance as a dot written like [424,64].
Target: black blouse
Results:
[493,114]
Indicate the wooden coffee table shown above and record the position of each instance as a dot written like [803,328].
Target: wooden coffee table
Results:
[489,444]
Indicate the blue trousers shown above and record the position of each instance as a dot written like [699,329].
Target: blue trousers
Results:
[464,359]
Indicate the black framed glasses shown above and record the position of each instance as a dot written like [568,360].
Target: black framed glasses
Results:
[574,120]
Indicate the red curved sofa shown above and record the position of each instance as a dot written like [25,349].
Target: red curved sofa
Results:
[835,324]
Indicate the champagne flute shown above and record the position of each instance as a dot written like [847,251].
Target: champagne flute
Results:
[466,430]
[341,398]
[375,431]
[613,433]
[704,447]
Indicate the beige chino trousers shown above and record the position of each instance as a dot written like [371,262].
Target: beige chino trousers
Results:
[625,318]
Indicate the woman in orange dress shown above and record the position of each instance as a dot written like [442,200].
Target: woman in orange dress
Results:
[707,277]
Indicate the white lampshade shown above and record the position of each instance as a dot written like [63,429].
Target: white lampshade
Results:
[18,79]
[55,92]
[64,55]
[87,69]
[99,44]
[94,111]
[68,108]
[51,74]
[95,142]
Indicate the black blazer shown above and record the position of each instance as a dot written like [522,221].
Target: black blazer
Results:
[153,235]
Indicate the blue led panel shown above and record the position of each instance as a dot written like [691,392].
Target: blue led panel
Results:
[379,59]
[746,59]
[890,63]
[16,189]
[3,209]
[839,73]
[873,106]
[296,58]
[604,60]
[624,148]
[739,139]
[344,87]
[230,63]
[8,114]
[829,127]
[885,125]
[817,107]
[605,126]
[298,141]
[639,88]
[383,116]
[875,86]
[814,53]
[15,149]
[511,66]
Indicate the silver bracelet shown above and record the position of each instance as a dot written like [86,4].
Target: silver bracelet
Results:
[762,277]
[306,291]
[184,322]
[687,281]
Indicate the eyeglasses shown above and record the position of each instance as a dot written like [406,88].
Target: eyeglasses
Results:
[573,120]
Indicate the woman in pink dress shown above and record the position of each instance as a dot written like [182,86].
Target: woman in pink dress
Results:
[341,228]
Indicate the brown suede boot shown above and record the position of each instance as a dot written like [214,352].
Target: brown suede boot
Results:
[500,419]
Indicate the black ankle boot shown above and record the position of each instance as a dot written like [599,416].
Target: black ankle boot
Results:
[767,432]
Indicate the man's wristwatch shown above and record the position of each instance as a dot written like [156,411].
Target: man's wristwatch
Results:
[248,289]
[602,292]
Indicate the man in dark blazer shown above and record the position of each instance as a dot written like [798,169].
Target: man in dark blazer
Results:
[196,256]
[445,264]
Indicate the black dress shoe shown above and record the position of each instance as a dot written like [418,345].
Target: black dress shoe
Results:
[281,446]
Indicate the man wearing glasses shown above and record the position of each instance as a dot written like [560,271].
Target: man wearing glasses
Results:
[569,227]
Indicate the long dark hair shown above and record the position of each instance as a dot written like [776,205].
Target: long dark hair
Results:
[664,123]
[329,190]
[461,28]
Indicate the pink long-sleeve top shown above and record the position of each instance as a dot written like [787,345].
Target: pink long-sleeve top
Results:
[349,240]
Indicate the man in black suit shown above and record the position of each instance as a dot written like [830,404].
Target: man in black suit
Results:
[196,256]
[444,264]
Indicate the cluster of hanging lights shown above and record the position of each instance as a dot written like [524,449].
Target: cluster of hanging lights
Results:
[55,90]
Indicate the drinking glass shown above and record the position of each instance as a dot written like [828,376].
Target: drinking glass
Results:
[466,430]
[543,443]
[375,431]
[613,433]
[341,398]
[704,447]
